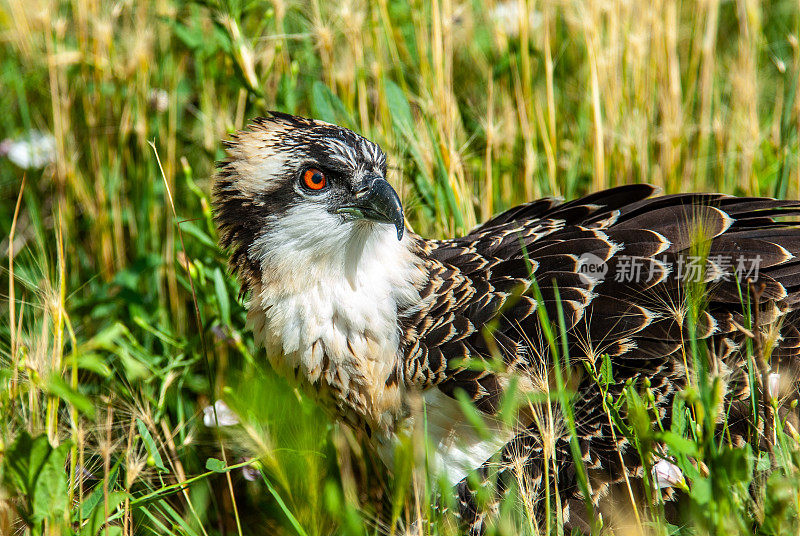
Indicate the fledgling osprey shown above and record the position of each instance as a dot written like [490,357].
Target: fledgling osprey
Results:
[368,314]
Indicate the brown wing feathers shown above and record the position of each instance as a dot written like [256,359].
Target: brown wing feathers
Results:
[474,277]
[488,276]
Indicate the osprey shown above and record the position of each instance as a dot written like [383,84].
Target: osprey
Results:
[368,315]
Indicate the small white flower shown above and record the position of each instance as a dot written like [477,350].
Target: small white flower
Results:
[666,474]
[159,99]
[773,385]
[225,416]
[508,16]
[250,473]
[33,151]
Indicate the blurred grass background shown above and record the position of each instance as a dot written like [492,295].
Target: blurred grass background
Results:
[480,106]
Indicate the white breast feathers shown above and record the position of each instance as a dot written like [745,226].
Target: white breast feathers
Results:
[327,304]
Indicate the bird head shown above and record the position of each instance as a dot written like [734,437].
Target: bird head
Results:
[293,184]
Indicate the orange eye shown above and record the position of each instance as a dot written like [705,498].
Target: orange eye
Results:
[314,179]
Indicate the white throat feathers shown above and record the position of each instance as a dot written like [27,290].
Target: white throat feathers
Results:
[326,306]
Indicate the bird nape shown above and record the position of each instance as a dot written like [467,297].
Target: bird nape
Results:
[613,287]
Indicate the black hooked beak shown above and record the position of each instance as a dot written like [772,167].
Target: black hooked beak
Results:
[376,200]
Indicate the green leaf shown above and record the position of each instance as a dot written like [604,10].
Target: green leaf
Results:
[89,503]
[94,363]
[678,416]
[222,296]
[443,184]
[190,38]
[472,414]
[176,518]
[158,331]
[135,370]
[403,124]
[763,463]
[292,519]
[402,119]
[327,105]
[321,102]
[678,444]
[49,499]
[218,466]
[191,229]
[637,413]
[701,490]
[736,464]
[150,445]
[98,513]
[425,189]
[24,460]
[38,471]
[56,386]
[606,374]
